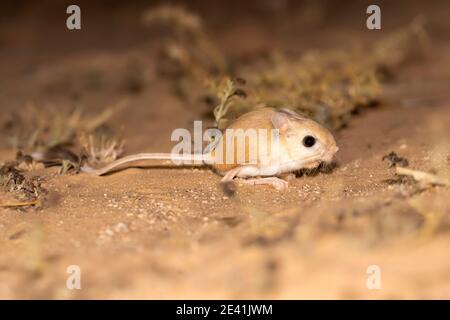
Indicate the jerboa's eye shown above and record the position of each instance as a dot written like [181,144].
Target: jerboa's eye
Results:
[309,141]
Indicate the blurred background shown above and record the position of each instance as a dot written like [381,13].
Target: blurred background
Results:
[139,69]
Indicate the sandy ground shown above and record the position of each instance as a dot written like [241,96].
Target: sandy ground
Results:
[172,233]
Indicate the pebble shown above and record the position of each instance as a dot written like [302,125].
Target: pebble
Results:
[121,227]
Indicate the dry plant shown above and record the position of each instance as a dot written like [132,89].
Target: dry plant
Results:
[322,86]
[400,46]
[228,91]
[180,20]
[101,150]
[188,50]
[27,191]
[395,160]
[55,137]
[41,128]
[327,86]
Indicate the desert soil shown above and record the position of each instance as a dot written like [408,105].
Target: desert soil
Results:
[172,233]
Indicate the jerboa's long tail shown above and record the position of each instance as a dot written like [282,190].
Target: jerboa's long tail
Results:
[198,158]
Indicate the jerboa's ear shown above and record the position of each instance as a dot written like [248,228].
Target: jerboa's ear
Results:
[291,113]
[281,122]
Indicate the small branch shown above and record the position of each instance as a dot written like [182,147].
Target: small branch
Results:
[424,177]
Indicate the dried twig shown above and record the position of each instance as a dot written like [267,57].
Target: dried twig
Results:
[19,204]
[227,91]
[101,150]
[423,177]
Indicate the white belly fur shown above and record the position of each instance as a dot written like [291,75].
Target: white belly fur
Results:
[271,167]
